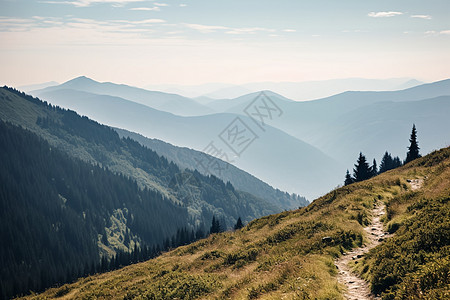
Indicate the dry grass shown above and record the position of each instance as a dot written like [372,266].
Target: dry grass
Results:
[280,256]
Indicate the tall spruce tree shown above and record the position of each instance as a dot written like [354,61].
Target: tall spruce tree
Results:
[348,178]
[374,168]
[238,224]
[215,226]
[386,162]
[413,149]
[362,169]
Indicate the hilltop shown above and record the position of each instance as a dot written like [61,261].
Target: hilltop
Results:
[291,254]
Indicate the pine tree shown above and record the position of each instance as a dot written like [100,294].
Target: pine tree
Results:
[374,168]
[362,169]
[348,178]
[396,162]
[413,149]
[239,224]
[386,163]
[215,226]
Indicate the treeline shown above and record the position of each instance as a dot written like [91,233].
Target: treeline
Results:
[363,171]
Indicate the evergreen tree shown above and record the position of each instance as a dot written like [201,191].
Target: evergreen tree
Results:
[396,162]
[374,168]
[215,226]
[386,163]
[413,149]
[362,169]
[348,179]
[239,224]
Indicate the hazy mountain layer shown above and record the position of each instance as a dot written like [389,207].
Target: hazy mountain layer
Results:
[270,154]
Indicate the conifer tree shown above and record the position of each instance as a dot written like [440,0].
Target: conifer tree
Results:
[374,168]
[396,162]
[386,163]
[215,226]
[413,149]
[239,224]
[362,169]
[348,178]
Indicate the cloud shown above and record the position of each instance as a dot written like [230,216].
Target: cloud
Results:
[426,17]
[86,3]
[206,28]
[161,4]
[229,30]
[437,33]
[183,5]
[249,30]
[384,14]
[289,30]
[142,22]
[156,8]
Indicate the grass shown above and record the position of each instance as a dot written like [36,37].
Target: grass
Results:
[284,256]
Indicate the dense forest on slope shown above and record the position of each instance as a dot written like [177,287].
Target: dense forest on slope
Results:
[83,138]
[56,210]
[192,159]
[291,254]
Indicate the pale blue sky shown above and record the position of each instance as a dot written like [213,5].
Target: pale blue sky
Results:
[192,42]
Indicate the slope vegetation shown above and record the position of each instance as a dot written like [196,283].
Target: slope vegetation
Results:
[291,255]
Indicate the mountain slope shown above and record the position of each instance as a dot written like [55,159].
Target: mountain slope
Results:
[274,156]
[87,140]
[162,101]
[290,255]
[60,215]
[189,158]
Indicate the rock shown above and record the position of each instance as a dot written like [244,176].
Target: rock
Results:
[327,239]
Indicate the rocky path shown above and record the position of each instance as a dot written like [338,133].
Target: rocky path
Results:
[358,288]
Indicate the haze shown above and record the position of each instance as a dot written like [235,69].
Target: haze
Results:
[140,42]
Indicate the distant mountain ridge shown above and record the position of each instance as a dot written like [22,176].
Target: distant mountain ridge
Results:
[267,158]
[162,101]
[323,123]
[191,159]
[298,91]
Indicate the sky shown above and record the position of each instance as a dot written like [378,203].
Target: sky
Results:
[141,42]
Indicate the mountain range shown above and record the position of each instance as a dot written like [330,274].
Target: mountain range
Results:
[329,133]
[299,91]
[76,197]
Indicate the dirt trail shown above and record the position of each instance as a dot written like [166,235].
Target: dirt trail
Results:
[358,288]
[415,183]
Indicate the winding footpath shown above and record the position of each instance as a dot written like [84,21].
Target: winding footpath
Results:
[358,288]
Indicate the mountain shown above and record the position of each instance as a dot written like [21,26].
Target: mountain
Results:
[38,86]
[119,192]
[299,91]
[60,215]
[189,158]
[162,101]
[291,255]
[267,158]
[347,123]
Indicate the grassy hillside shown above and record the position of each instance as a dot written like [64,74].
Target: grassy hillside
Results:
[284,256]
